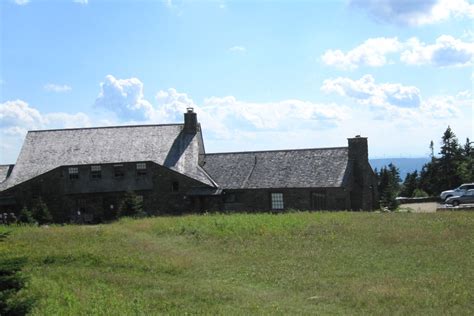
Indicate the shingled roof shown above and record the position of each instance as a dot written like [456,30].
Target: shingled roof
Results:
[303,168]
[5,172]
[166,145]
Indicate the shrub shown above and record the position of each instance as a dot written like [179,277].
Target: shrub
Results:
[420,193]
[26,216]
[41,213]
[11,282]
[132,205]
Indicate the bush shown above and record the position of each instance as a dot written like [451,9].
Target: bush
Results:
[420,193]
[11,282]
[132,205]
[41,213]
[26,216]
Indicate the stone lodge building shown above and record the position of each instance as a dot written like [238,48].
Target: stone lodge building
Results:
[90,170]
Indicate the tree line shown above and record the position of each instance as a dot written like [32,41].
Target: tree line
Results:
[453,166]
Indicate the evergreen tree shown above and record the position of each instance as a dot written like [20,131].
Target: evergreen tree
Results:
[451,154]
[26,216]
[410,184]
[131,205]
[41,212]
[454,166]
[465,169]
[388,186]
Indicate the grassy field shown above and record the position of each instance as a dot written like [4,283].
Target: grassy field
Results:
[296,263]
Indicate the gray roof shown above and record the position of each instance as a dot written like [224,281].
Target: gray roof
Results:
[303,168]
[5,172]
[165,145]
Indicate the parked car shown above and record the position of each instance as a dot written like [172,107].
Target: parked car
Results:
[466,198]
[456,192]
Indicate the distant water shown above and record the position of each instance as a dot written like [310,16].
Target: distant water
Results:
[405,165]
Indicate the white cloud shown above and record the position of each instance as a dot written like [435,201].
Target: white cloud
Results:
[17,117]
[447,51]
[366,91]
[403,106]
[238,49]
[413,13]
[52,87]
[124,97]
[370,53]
[83,2]
[18,114]
[21,2]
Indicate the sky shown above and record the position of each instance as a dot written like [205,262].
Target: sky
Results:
[260,74]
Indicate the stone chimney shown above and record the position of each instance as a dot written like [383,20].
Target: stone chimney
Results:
[190,121]
[358,149]
[363,193]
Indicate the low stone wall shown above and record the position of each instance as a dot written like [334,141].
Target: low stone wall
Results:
[403,200]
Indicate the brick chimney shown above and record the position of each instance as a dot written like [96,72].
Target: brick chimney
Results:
[190,121]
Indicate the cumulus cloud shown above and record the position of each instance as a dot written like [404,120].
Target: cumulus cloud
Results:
[221,115]
[83,2]
[366,91]
[393,102]
[370,53]
[17,117]
[447,51]
[52,87]
[408,12]
[124,97]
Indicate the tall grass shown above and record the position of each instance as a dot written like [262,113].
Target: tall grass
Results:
[297,263]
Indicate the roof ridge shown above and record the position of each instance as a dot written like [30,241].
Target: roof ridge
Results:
[274,150]
[102,127]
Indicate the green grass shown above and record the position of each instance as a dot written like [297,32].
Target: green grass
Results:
[296,263]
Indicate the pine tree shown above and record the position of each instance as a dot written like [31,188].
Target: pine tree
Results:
[26,216]
[448,162]
[131,205]
[410,184]
[465,167]
[388,186]
[41,212]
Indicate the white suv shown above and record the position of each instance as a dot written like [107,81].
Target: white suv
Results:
[456,192]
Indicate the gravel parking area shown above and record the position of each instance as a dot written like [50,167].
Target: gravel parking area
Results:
[426,207]
[432,207]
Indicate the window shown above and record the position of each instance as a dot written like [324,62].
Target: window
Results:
[118,171]
[96,172]
[73,173]
[141,169]
[277,201]
[175,186]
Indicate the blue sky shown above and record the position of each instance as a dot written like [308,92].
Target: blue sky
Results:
[260,74]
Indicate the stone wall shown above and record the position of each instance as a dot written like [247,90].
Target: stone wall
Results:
[163,192]
[299,199]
